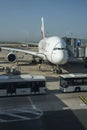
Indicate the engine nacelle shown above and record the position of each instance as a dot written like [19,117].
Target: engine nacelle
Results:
[11,57]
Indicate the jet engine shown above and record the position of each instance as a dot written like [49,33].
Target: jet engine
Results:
[11,57]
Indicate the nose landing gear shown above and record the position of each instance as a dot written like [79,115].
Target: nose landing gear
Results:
[57,69]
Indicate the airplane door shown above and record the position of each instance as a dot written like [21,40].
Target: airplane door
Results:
[11,89]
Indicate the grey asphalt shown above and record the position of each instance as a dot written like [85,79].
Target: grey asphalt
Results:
[51,120]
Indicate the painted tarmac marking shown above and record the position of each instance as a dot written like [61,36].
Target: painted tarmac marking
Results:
[32,104]
[83,99]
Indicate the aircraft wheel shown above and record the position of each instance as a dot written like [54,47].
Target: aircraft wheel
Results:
[77,89]
[58,71]
[33,61]
[40,61]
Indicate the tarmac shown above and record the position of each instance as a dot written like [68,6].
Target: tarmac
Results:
[56,110]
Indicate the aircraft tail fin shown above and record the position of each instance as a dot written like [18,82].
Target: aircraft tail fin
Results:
[42,28]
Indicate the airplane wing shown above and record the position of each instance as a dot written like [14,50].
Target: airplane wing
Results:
[33,53]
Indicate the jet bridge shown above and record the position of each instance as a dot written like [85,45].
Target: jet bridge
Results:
[76,48]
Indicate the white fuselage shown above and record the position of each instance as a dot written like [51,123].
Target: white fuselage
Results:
[54,49]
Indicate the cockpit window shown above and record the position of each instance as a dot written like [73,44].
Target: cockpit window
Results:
[59,49]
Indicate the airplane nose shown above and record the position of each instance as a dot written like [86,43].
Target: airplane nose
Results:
[60,57]
[64,57]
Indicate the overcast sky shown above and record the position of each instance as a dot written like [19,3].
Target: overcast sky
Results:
[20,20]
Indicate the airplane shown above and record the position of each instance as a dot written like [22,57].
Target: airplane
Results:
[53,49]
